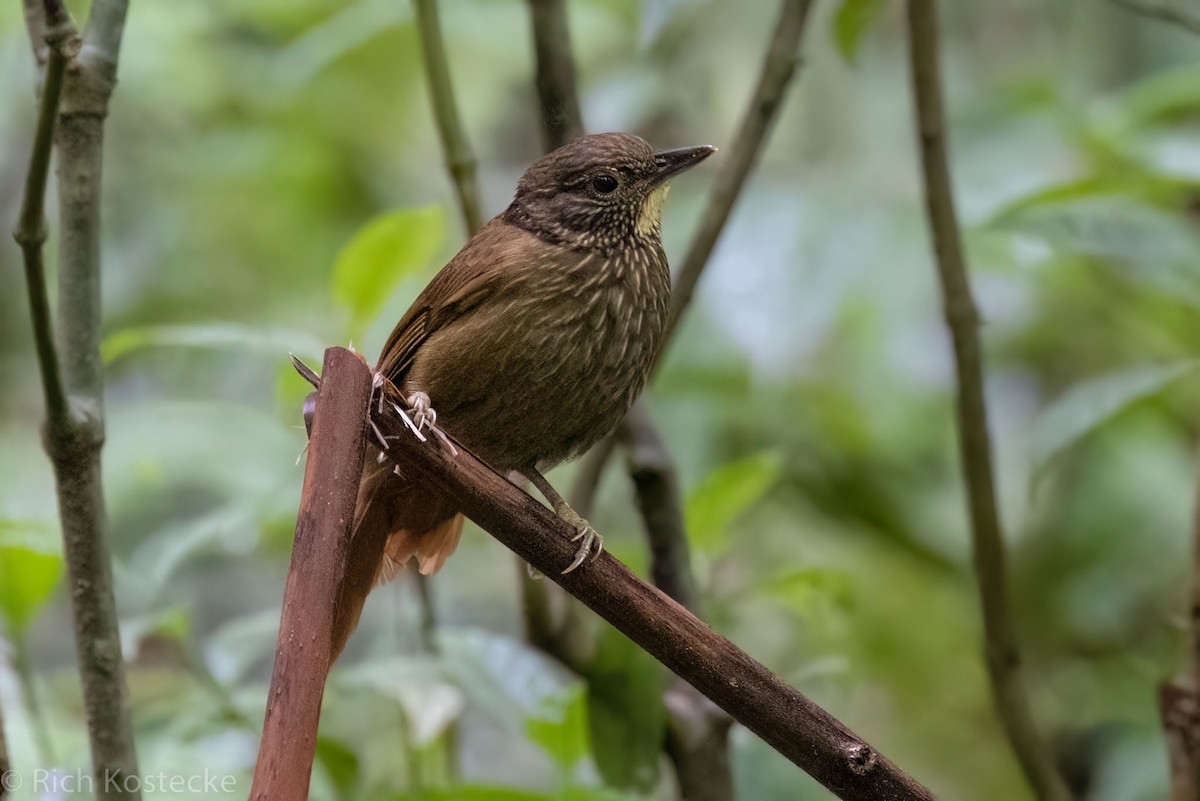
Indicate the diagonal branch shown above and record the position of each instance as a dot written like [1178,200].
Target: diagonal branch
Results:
[778,68]
[460,161]
[555,78]
[1002,657]
[783,717]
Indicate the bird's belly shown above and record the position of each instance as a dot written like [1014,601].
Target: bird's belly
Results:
[538,383]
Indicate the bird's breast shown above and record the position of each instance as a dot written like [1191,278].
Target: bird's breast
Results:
[555,361]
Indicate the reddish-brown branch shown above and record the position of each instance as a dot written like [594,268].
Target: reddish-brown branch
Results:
[323,527]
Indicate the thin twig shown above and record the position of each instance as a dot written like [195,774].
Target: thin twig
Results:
[460,161]
[80,79]
[1003,662]
[30,232]
[1163,13]
[783,717]
[561,118]
[778,67]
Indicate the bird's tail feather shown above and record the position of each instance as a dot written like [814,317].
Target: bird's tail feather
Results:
[395,520]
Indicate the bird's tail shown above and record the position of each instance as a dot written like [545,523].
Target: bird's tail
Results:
[395,520]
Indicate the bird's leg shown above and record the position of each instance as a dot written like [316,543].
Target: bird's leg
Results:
[583,529]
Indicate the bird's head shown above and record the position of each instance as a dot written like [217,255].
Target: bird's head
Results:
[599,192]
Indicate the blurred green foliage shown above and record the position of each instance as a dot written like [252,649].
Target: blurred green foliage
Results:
[274,183]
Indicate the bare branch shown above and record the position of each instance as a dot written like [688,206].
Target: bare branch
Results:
[318,571]
[783,717]
[559,99]
[1003,661]
[460,161]
[661,508]
[1163,13]
[79,83]
[779,65]
[30,231]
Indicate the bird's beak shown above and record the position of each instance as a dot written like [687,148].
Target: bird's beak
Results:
[673,162]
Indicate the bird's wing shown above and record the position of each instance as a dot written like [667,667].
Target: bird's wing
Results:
[497,250]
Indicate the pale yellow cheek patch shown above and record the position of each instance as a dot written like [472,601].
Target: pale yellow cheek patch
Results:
[651,214]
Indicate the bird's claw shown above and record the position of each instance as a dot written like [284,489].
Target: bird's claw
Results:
[424,417]
[422,410]
[591,539]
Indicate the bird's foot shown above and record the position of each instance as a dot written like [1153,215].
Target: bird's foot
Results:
[587,537]
[424,418]
[422,410]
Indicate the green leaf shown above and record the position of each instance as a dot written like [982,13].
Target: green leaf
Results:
[625,712]
[726,493]
[341,765]
[30,567]
[1147,245]
[560,728]
[504,677]
[1165,96]
[1148,188]
[851,22]
[1087,406]
[384,251]
[217,335]
[430,703]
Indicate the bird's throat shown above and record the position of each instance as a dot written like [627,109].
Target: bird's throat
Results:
[649,221]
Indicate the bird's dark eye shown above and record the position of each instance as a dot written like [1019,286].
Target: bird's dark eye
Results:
[604,183]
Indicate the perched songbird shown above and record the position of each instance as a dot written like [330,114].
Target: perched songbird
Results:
[531,344]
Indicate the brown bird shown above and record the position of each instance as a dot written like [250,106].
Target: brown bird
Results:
[531,344]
